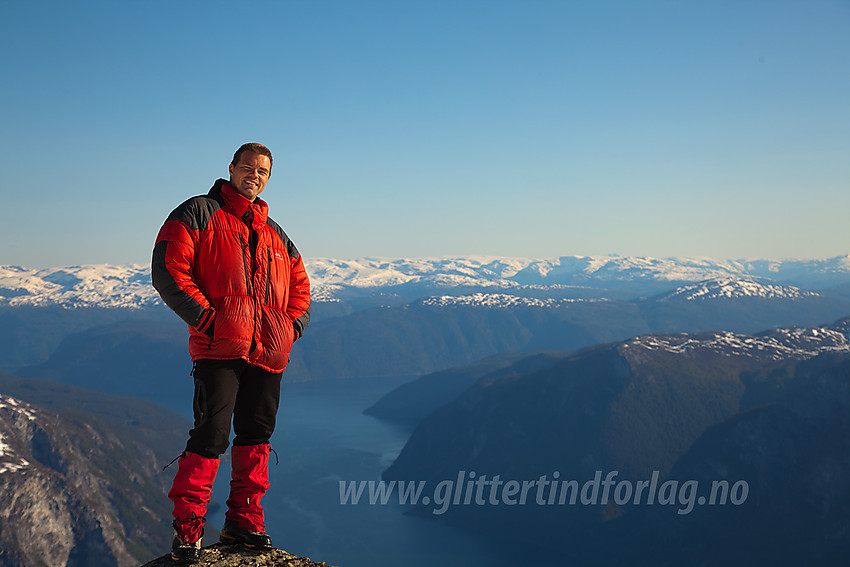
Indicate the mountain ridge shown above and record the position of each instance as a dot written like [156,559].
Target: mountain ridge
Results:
[128,286]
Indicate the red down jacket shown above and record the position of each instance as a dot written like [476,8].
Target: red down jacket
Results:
[234,276]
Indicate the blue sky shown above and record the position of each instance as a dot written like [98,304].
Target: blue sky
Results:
[531,128]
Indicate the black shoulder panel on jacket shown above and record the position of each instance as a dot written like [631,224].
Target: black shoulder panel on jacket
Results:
[197,211]
[290,247]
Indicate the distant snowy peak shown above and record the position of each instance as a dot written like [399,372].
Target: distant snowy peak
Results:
[78,286]
[513,272]
[130,287]
[496,301]
[577,269]
[734,288]
[488,271]
[387,272]
[779,344]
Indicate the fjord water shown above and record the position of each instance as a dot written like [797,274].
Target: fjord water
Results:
[322,438]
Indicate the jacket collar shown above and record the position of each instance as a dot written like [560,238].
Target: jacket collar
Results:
[253,214]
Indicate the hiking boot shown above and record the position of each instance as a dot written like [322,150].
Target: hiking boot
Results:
[185,552]
[232,534]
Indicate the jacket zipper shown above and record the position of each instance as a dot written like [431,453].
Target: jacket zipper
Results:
[268,274]
[245,264]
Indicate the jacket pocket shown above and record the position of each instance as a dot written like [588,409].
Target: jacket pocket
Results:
[278,334]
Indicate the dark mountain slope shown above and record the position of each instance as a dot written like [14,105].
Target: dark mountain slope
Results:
[146,358]
[410,402]
[793,452]
[81,475]
[754,408]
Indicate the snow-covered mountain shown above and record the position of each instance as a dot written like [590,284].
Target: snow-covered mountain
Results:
[725,288]
[798,343]
[78,286]
[565,270]
[129,286]
[730,288]
[496,300]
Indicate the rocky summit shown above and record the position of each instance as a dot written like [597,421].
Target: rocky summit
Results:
[220,555]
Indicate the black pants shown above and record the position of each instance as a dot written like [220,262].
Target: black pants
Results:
[226,389]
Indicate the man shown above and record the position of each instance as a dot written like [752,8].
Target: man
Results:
[234,276]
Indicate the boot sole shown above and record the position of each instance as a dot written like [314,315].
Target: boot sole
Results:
[258,547]
[228,539]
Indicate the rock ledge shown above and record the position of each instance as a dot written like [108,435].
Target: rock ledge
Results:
[221,555]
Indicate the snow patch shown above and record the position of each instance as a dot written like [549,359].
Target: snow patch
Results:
[130,286]
[9,461]
[497,301]
[16,406]
[731,288]
[781,344]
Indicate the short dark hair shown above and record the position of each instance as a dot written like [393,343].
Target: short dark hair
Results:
[253,147]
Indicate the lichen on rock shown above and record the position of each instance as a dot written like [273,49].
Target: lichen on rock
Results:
[221,555]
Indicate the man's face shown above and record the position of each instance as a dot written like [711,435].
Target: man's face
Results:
[250,175]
